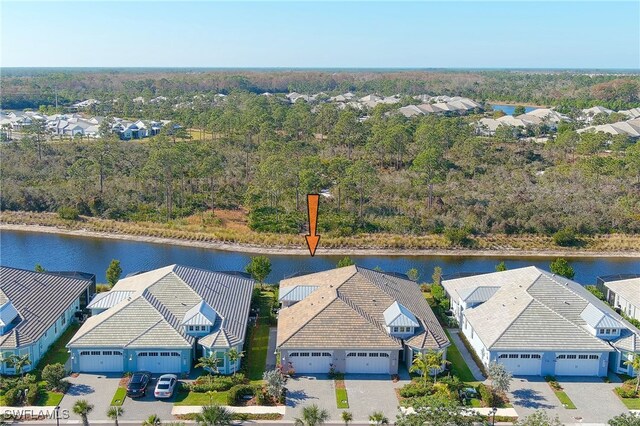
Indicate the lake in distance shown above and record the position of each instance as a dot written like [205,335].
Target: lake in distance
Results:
[72,253]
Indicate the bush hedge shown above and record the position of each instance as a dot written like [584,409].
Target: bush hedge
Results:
[486,395]
[237,392]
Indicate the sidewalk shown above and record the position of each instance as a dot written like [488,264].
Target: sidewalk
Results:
[455,339]
[255,409]
[485,411]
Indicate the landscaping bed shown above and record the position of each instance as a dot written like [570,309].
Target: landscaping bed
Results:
[342,398]
[459,367]
[628,395]
[560,393]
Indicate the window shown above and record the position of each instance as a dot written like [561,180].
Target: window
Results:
[175,353]
[107,353]
[165,354]
[594,357]
[362,354]
[190,328]
[84,353]
[351,354]
[197,328]
[304,353]
[512,356]
[316,353]
[384,355]
[143,354]
[395,329]
[537,356]
[571,356]
[153,353]
[502,356]
[95,352]
[294,354]
[326,354]
[374,354]
[63,319]
[525,356]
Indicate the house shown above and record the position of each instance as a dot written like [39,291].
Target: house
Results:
[624,294]
[36,308]
[630,128]
[540,324]
[354,320]
[162,320]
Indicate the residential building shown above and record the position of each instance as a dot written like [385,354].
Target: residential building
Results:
[624,294]
[35,309]
[537,323]
[162,320]
[354,320]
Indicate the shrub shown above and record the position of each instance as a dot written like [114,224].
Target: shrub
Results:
[416,389]
[53,375]
[626,392]
[261,397]
[458,236]
[33,394]
[12,397]
[237,392]
[68,213]
[566,238]
[486,395]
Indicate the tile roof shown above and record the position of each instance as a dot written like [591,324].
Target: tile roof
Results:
[296,293]
[534,309]
[161,299]
[40,298]
[628,289]
[108,299]
[347,311]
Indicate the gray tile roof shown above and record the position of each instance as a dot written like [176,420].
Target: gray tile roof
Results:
[40,299]
[347,311]
[537,310]
[108,299]
[161,299]
[628,289]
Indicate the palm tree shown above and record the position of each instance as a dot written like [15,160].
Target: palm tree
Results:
[347,417]
[19,362]
[152,420]
[83,408]
[114,412]
[428,361]
[214,415]
[234,355]
[209,363]
[312,416]
[635,365]
[378,418]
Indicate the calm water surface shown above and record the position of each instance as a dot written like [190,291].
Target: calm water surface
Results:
[508,109]
[62,252]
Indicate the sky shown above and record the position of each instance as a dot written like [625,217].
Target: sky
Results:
[305,34]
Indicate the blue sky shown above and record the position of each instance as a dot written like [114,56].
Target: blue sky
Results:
[473,34]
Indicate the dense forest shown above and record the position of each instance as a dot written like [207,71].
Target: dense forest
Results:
[30,88]
[389,174]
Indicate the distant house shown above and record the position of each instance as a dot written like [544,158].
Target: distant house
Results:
[624,294]
[354,320]
[540,324]
[35,309]
[163,320]
[630,128]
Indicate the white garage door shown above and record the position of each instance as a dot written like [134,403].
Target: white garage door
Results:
[101,361]
[159,362]
[311,362]
[522,364]
[577,364]
[368,362]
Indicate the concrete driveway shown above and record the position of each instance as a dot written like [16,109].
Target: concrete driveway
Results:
[369,393]
[306,390]
[594,399]
[97,389]
[142,408]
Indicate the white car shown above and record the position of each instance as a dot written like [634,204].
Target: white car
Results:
[165,386]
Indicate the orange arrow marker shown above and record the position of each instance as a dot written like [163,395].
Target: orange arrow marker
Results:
[312,237]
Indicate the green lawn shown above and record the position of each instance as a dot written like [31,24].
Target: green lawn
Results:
[565,400]
[342,400]
[258,342]
[458,366]
[51,400]
[57,352]
[185,397]
[118,397]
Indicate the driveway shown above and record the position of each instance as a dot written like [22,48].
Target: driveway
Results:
[367,393]
[97,389]
[594,400]
[142,408]
[303,391]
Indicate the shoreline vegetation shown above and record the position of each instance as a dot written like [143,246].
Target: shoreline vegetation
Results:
[221,238]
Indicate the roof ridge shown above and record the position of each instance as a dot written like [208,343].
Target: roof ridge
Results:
[364,314]
[143,333]
[333,290]
[508,325]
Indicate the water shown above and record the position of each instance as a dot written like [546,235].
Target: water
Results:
[62,252]
[508,109]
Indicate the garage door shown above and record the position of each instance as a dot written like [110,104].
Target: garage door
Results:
[522,364]
[368,362]
[101,361]
[577,364]
[159,362]
[311,362]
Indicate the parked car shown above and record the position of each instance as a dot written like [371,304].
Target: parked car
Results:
[138,383]
[165,386]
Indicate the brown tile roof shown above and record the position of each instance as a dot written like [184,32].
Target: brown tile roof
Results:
[347,312]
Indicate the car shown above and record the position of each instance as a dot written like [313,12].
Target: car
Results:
[165,386]
[138,383]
